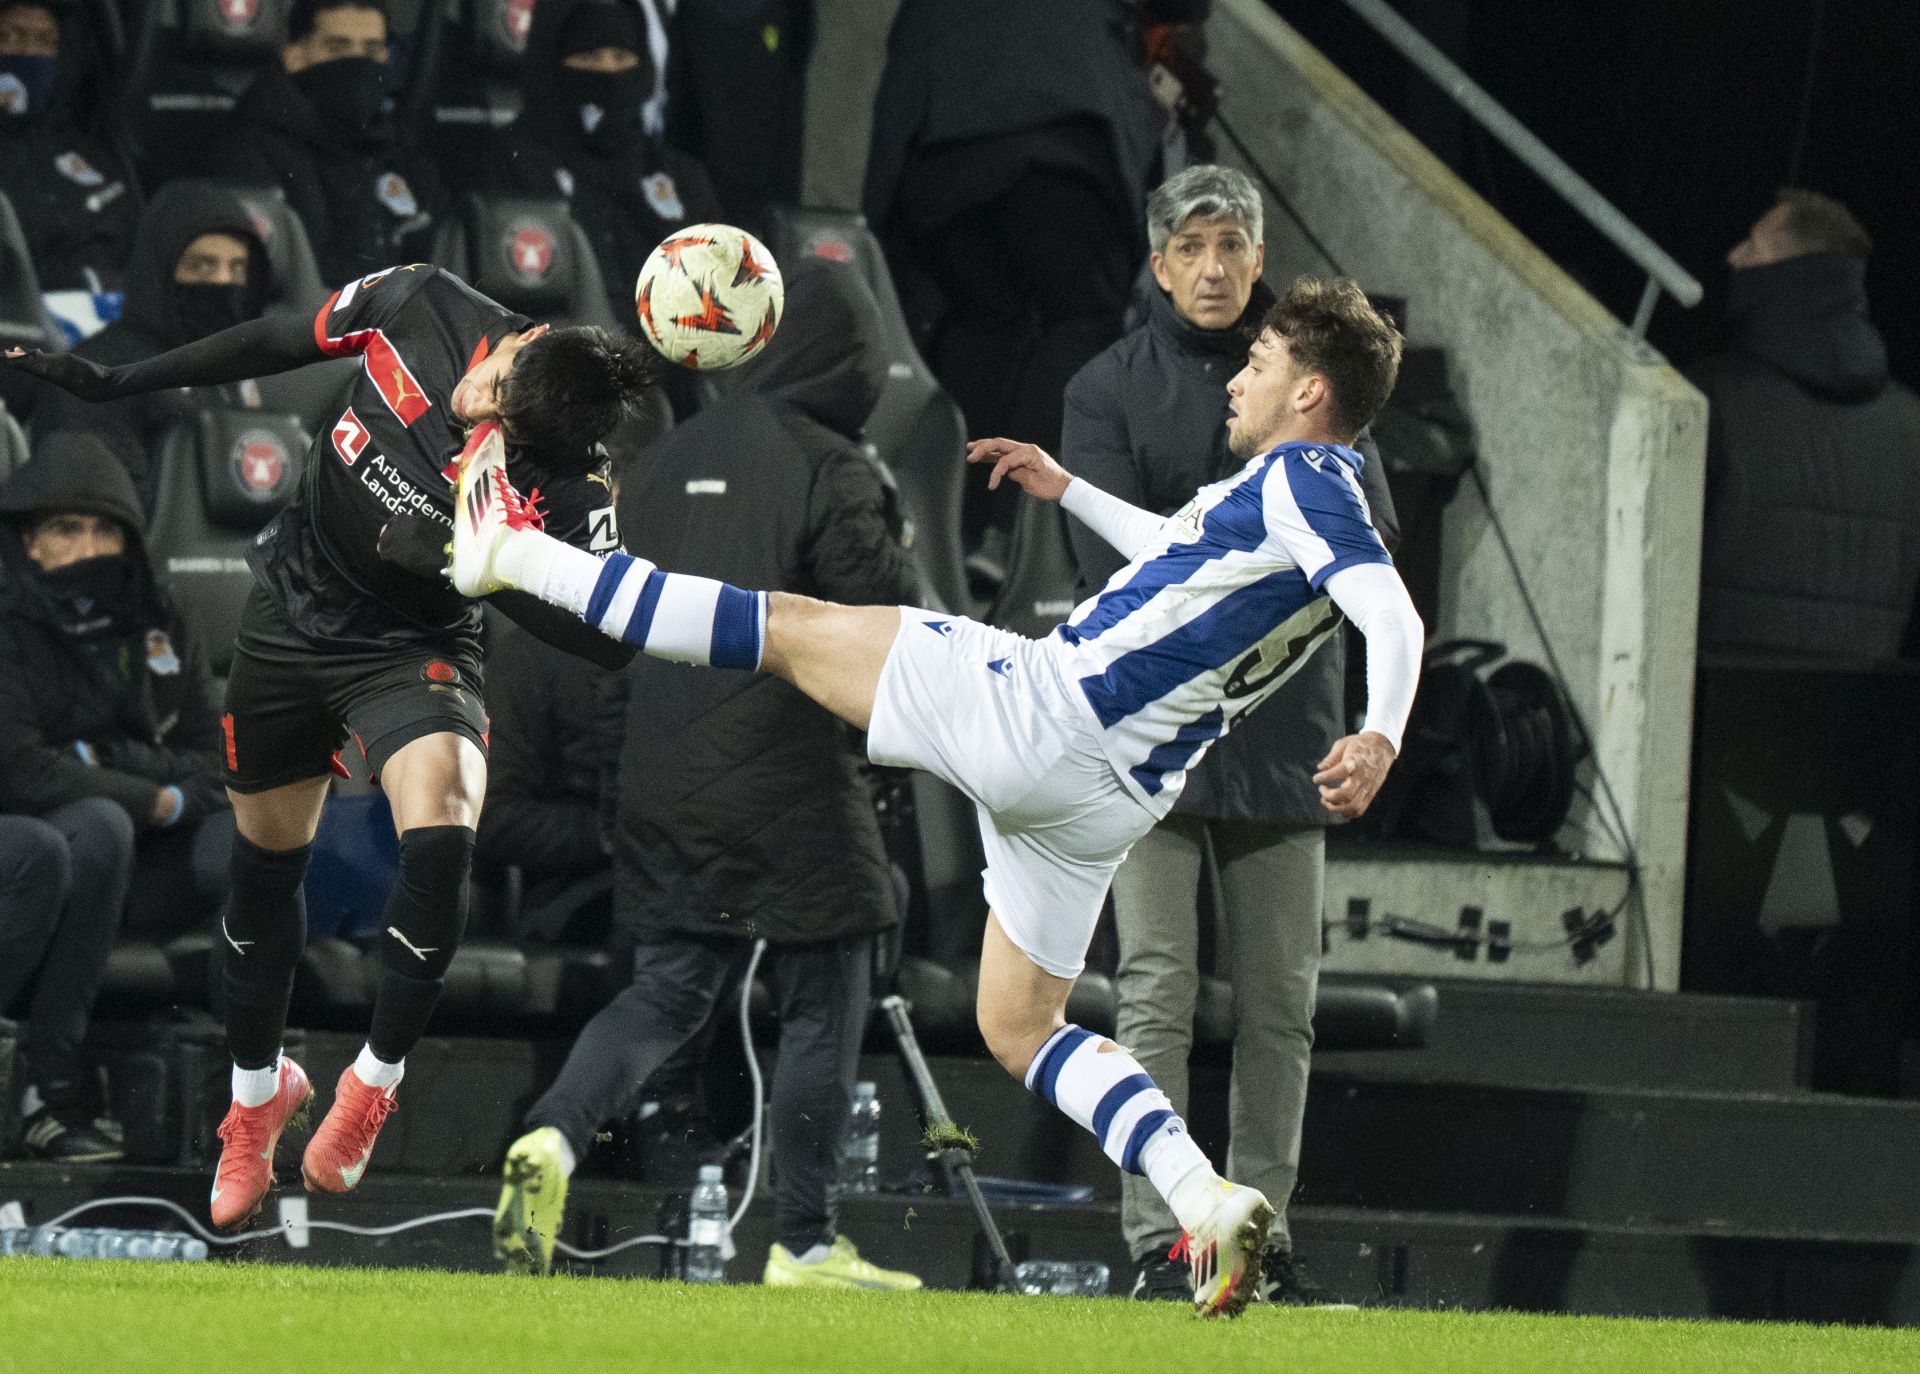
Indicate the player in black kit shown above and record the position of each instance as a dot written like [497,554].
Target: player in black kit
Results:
[337,644]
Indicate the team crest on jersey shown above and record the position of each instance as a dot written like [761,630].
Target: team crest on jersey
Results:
[663,196]
[393,192]
[78,170]
[530,253]
[13,94]
[350,437]
[260,464]
[440,671]
[236,14]
[162,661]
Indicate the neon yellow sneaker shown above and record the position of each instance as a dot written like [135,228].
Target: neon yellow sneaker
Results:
[842,1268]
[533,1201]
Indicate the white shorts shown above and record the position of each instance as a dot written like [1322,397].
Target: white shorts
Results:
[988,712]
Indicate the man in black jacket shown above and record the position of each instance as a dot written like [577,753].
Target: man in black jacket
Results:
[1146,420]
[108,733]
[1811,448]
[742,815]
[582,135]
[198,267]
[318,127]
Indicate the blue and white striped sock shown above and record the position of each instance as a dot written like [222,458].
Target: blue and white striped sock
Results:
[1112,1096]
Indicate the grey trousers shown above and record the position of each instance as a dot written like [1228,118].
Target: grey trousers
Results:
[1272,881]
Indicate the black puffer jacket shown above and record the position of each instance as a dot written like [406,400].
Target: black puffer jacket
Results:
[1146,421]
[1813,471]
[367,201]
[122,675]
[151,322]
[742,811]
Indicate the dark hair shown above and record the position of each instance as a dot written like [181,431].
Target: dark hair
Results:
[303,15]
[567,391]
[1333,329]
[1821,224]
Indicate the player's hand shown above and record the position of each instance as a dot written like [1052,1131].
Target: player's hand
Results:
[1351,773]
[88,381]
[1031,467]
[417,543]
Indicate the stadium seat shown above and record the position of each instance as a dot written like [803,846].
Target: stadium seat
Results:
[528,254]
[916,430]
[222,475]
[190,62]
[476,82]
[24,322]
[1042,573]
[13,445]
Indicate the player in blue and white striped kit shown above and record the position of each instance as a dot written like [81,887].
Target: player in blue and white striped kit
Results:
[1073,746]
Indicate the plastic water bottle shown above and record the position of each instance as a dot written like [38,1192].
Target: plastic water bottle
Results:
[101,1242]
[707,1226]
[1061,1278]
[860,1159]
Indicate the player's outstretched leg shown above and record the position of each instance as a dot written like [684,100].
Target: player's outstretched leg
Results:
[1103,1088]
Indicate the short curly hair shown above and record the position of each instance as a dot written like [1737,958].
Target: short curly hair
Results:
[568,390]
[1331,328]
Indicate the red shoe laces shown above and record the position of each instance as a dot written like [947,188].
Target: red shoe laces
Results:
[523,512]
[1182,1248]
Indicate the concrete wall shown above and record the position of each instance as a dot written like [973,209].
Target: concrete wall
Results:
[1592,449]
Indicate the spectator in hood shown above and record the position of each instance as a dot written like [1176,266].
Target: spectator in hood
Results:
[741,812]
[198,267]
[75,203]
[319,127]
[583,135]
[1811,447]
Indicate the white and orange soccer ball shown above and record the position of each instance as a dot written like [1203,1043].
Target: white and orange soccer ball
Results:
[709,297]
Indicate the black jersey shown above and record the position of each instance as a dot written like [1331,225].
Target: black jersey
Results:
[393,449]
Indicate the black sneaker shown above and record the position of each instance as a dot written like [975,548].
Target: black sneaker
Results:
[1163,1279]
[1284,1279]
[47,1136]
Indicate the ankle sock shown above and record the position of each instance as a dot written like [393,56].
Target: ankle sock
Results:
[256,1087]
[376,1072]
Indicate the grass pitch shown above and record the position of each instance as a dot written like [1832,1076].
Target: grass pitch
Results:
[121,1317]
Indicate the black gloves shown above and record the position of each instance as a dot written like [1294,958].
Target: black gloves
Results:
[88,381]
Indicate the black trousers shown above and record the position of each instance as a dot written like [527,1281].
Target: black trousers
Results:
[821,991]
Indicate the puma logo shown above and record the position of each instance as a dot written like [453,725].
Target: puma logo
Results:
[239,946]
[417,951]
[400,388]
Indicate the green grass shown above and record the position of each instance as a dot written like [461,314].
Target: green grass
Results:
[119,1317]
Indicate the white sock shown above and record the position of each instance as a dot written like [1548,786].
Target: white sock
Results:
[376,1072]
[1107,1091]
[567,1162]
[553,571]
[31,1101]
[814,1254]
[256,1087]
[676,616]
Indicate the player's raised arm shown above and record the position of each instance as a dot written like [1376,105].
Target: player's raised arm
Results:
[1376,601]
[255,348]
[1128,528]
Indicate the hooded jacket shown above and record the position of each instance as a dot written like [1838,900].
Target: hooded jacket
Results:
[1146,421]
[151,321]
[1812,540]
[626,198]
[367,198]
[121,675]
[742,809]
[75,202]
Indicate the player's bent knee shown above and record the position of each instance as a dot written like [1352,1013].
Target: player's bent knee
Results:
[1014,1035]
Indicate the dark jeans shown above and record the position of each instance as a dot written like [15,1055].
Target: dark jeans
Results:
[180,878]
[821,992]
[63,885]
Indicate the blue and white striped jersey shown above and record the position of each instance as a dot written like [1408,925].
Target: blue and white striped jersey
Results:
[1218,611]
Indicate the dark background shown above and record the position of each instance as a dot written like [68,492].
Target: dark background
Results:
[1687,114]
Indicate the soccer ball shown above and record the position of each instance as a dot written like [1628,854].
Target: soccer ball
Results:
[709,297]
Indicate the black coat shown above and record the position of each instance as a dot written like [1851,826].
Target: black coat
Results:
[742,810]
[1146,421]
[150,323]
[1813,471]
[365,203]
[137,694]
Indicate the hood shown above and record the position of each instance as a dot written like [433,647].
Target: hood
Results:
[1231,341]
[74,471]
[544,109]
[81,74]
[1807,316]
[825,358]
[179,214]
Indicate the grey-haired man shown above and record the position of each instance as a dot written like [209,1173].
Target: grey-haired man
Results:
[1146,420]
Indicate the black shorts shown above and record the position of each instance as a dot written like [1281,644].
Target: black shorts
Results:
[292,705]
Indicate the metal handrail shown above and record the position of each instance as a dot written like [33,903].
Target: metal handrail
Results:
[1662,271]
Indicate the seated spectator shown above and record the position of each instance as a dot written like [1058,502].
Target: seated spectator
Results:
[583,135]
[75,203]
[63,882]
[1811,447]
[197,268]
[104,695]
[319,127]
[1013,146]
[738,88]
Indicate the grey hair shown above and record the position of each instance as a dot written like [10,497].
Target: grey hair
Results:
[1204,191]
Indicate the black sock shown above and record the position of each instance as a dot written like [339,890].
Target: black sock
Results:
[401,1008]
[425,917]
[263,931]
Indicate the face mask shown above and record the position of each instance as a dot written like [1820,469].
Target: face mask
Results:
[605,107]
[203,308]
[92,591]
[349,93]
[26,86]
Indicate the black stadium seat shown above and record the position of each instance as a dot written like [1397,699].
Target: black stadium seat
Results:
[191,60]
[528,254]
[223,475]
[476,82]
[13,445]
[24,322]
[1041,572]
